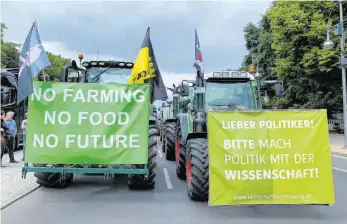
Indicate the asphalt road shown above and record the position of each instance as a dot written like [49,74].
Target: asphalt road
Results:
[91,199]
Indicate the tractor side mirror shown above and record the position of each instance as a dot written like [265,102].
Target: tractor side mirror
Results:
[279,90]
[71,72]
[184,88]
[64,74]
[76,67]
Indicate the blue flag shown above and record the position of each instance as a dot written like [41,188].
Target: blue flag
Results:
[32,60]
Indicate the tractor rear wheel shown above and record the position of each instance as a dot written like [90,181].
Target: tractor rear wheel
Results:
[138,181]
[53,180]
[197,169]
[170,130]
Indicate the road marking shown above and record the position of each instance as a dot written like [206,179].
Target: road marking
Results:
[340,157]
[167,179]
[342,170]
[160,153]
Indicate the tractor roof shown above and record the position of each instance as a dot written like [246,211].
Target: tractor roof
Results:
[114,64]
[12,70]
[8,79]
[230,76]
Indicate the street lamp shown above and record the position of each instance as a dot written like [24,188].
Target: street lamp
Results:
[257,76]
[328,44]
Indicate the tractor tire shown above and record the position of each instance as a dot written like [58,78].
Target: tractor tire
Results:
[197,169]
[163,143]
[180,152]
[170,130]
[162,134]
[53,180]
[138,181]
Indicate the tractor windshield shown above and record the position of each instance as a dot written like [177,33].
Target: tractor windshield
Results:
[230,96]
[108,75]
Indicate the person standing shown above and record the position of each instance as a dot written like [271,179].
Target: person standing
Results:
[11,124]
[24,128]
[4,131]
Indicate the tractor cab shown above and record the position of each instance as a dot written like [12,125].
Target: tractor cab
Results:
[105,72]
[227,90]
[187,88]
[97,72]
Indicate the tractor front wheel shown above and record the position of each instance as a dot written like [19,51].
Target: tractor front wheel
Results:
[180,152]
[138,181]
[53,180]
[170,130]
[197,169]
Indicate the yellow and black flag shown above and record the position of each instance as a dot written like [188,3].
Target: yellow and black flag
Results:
[146,70]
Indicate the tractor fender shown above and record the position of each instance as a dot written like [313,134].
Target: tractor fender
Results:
[151,112]
[184,119]
[152,120]
[170,120]
[197,135]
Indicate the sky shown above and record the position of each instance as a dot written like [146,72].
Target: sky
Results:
[116,30]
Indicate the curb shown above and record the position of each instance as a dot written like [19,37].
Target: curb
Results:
[18,198]
[339,154]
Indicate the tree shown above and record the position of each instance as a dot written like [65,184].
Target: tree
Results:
[288,44]
[9,55]
[57,62]
[258,42]
[310,73]
[9,52]
[3,27]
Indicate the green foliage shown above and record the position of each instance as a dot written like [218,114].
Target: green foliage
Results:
[10,57]
[258,43]
[9,51]
[288,44]
[3,27]
[57,62]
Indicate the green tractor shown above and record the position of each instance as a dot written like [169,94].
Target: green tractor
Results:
[226,90]
[165,113]
[140,176]
[180,104]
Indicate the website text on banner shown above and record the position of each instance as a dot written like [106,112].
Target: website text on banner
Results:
[77,123]
[269,157]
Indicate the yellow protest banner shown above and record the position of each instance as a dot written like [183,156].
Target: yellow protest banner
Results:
[269,157]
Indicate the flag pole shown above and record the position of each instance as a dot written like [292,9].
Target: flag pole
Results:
[44,75]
